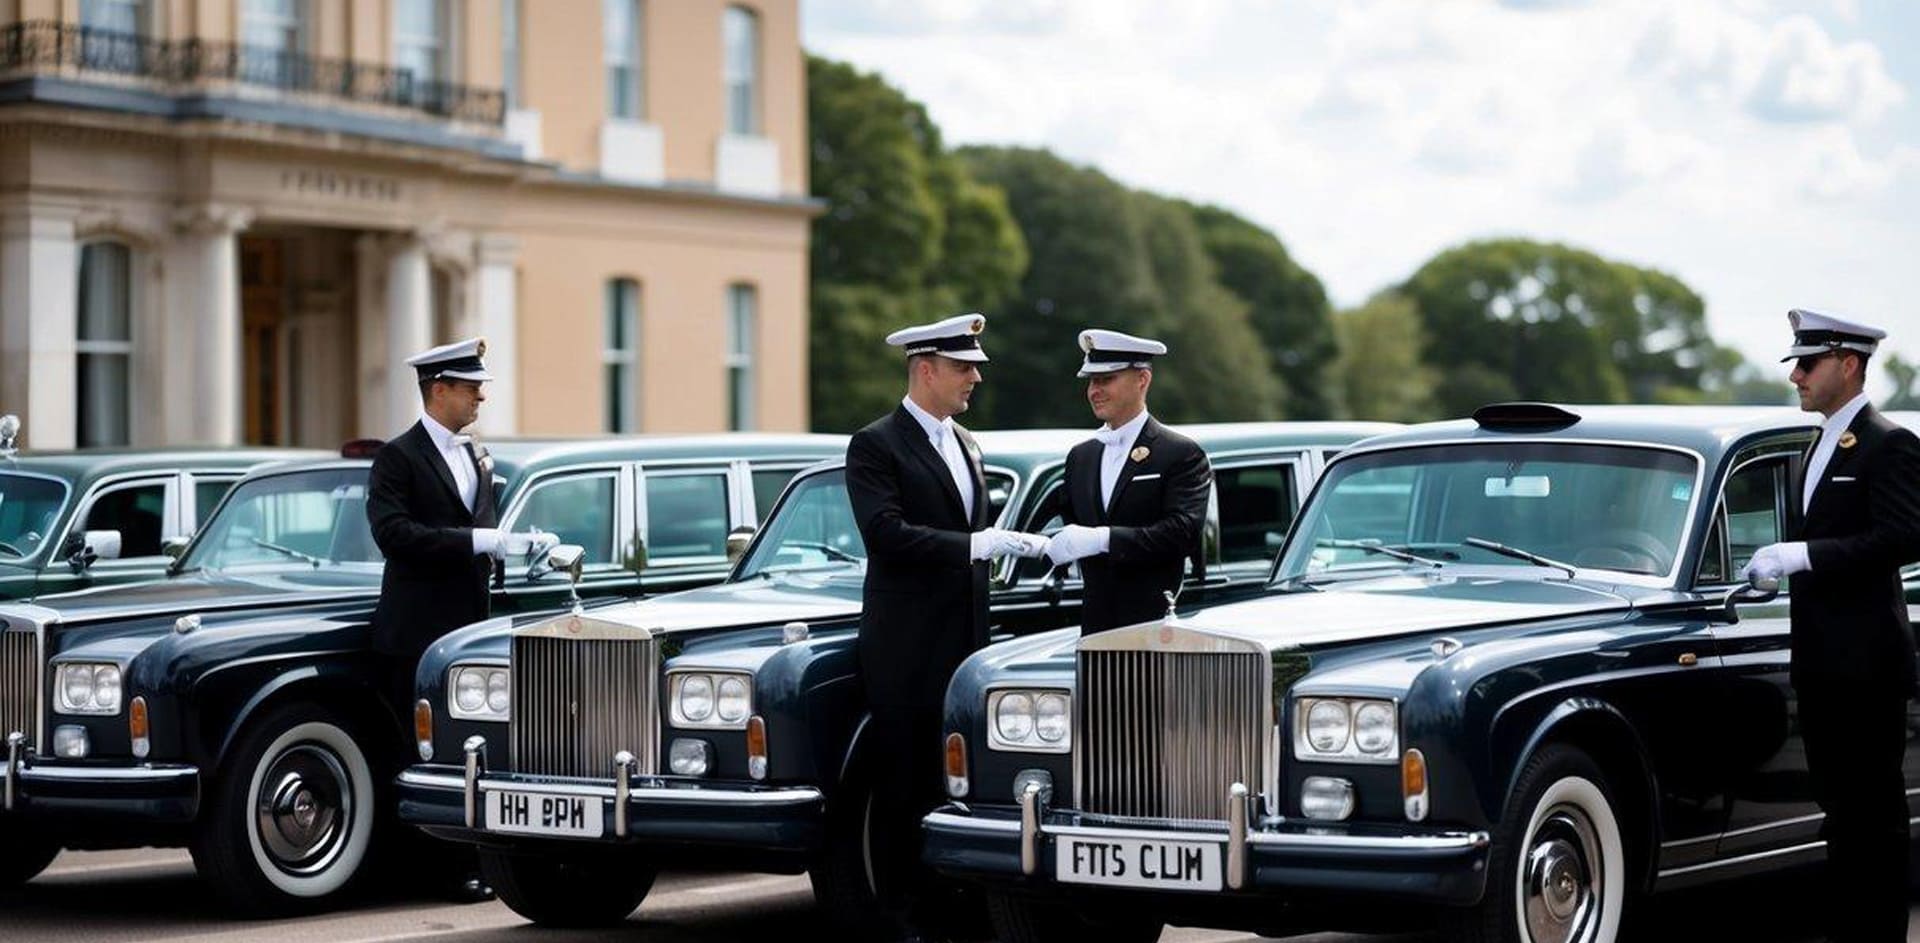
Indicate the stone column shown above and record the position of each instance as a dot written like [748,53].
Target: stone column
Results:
[204,300]
[409,326]
[496,295]
[370,338]
[39,311]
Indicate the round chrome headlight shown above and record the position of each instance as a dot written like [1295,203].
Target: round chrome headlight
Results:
[1328,726]
[470,690]
[498,698]
[734,698]
[1015,719]
[1373,727]
[696,698]
[78,681]
[1050,717]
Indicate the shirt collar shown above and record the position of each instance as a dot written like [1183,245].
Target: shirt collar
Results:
[441,435]
[934,427]
[1125,434]
[1840,420]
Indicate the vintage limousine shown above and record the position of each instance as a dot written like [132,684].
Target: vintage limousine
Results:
[234,706]
[1506,681]
[722,726]
[96,517]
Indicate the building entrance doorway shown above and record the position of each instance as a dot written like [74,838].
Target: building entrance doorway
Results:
[297,317]
[263,310]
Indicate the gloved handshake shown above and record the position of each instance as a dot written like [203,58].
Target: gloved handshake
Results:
[1076,541]
[994,542]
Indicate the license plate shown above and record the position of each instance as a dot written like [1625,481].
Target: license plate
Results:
[1135,862]
[539,813]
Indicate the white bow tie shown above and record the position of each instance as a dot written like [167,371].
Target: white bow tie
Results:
[1111,437]
[459,440]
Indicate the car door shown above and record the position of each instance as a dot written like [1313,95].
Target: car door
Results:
[1770,801]
[1256,498]
[585,506]
[143,508]
[684,514]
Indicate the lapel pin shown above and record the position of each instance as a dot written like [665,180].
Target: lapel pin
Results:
[1139,453]
[1847,439]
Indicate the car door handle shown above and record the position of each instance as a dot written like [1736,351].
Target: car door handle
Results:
[1613,653]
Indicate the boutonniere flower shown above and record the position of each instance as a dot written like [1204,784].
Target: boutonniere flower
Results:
[1848,440]
[1139,453]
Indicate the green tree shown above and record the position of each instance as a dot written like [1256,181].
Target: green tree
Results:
[1906,384]
[907,236]
[1287,305]
[1514,318]
[1379,373]
[1106,256]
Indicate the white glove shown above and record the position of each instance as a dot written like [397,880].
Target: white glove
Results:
[524,546]
[1026,545]
[994,542]
[1075,542]
[1775,561]
[486,540]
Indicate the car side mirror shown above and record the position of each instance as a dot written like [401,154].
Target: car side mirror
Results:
[737,541]
[94,545]
[561,558]
[175,547]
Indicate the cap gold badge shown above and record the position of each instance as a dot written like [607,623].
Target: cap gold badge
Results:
[480,348]
[1847,439]
[1139,453]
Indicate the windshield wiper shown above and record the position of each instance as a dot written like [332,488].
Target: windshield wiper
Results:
[832,552]
[289,551]
[1519,554]
[1373,545]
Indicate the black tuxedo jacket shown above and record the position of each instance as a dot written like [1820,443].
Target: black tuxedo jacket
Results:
[434,582]
[1850,627]
[925,600]
[1159,507]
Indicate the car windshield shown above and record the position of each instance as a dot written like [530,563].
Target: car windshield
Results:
[29,509]
[307,518]
[813,529]
[1593,506]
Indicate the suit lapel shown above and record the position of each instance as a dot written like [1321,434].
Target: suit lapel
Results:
[1149,432]
[423,443]
[1842,457]
[920,445]
[1086,484]
[976,473]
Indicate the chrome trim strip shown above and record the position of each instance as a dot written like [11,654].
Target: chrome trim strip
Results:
[1751,829]
[1030,829]
[1448,841]
[647,793]
[1742,859]
[108,774]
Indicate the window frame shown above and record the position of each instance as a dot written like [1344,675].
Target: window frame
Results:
[446,45]
[1296,462]
[741,389]
[1717,539]
[729,78]
[644,472]
[191,514]
[634,85]
[619,557]
[122,349]
[624,360]
[284,62]
[170,520]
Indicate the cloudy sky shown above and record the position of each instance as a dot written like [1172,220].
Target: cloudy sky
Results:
[1767,152]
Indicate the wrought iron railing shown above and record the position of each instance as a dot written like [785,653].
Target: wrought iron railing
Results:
[55,46]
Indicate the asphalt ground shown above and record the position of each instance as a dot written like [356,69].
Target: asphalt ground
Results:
[152,894]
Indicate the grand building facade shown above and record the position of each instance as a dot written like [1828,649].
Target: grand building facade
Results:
[227,221]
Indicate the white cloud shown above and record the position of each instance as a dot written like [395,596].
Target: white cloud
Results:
[1751,147]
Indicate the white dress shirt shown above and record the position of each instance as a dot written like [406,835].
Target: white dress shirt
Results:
[947,445]
[466,478]
[1822,456]
[1116,443]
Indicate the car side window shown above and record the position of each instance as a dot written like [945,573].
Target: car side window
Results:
[1027,568]
[767,485]
[1749,519]
[1257,505]
[999,492]
[686,516]
[137,511]
[207,493]
[576,508]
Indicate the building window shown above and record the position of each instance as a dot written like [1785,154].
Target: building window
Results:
[510,52]
[741,302]
[274,39]
[621,355]
[111,32]
[423,40]
[104,344]
[626,63]
[741,32]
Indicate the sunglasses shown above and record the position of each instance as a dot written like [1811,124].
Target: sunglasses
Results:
[1809,362]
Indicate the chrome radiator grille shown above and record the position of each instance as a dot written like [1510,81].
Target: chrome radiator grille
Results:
[19,684]
[577,702]
[1165,734]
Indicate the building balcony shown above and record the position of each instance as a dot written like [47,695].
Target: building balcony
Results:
[51,62]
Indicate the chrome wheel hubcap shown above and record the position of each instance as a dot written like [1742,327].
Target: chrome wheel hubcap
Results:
[1561,879]
[304,809]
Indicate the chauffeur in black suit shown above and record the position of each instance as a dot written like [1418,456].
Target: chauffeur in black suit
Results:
[920,501]
[430,505]
[1853,649]
[1136,493]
